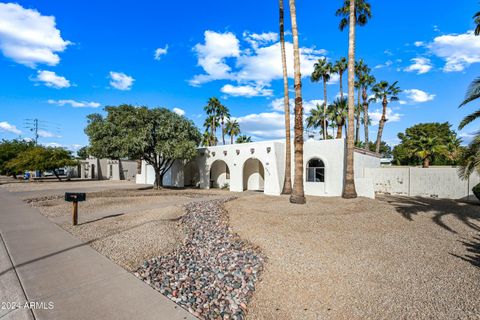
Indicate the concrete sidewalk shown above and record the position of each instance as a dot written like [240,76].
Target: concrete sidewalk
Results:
[50,265]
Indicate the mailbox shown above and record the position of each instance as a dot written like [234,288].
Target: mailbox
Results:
[75,196]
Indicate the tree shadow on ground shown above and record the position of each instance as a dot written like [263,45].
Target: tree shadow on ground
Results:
[473,249]
[465,211]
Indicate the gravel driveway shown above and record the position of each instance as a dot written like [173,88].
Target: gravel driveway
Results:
[392,258]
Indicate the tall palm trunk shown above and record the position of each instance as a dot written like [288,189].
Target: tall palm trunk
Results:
[231,139]
[357,120]
[349,184]
[325,133]
[381,124]
[287,182]
[340,74]
[298,195]
[340,131]
[365,116]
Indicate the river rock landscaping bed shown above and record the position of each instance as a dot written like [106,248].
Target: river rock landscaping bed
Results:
[213,274]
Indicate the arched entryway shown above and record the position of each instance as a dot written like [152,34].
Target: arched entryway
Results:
[253,175]
[191,175]
[219,175]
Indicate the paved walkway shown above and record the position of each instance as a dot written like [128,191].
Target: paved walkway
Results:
[40,262]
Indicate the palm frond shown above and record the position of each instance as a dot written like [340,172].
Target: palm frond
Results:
[473,92]
[469,119]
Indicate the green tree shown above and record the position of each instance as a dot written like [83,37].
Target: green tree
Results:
[384,92]
[43,159]
[232,129]
[243,139]
[476,19]
[339,67]
[223,114]
[158,136]
[316,119]
[338,113]
[428,144]
[9,149]
[82,153]
[212,109]
[352,13]
[322,71]
[366,82]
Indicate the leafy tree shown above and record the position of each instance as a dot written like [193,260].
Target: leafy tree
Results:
[43,159]
[316,119]
[385,149]
[223,114]
[287,182]
[384,92]
[243,139]
[213,112]
[232,129]
[322,71]
[208,140]
[338,113]
[82,153]
[366,81]
[9,149]
[428,144]
[158,136]
[476,19]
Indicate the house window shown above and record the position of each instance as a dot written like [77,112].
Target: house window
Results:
[315,171]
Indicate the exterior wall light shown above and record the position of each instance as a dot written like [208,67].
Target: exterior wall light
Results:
[224,152]
[252,150]
[269,149]
[238,152]
[213,154]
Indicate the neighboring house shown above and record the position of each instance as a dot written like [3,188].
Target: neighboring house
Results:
[108,169]
[260,166]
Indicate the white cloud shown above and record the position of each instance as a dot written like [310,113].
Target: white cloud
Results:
[222,59]
[179,111]
[121,81]
[7,127]
[265,125]
[51,79]
[53,144]
[47,134]
[160,52]
[212,56]
[388,63]
[419,43]
[420,65]
[29,38]
[391,116]
[418,96]
[246,91]
[458,50]
[75,104]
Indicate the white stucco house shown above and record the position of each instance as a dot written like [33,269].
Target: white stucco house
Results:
[260,166]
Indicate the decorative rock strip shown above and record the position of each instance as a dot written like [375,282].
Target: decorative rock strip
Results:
[213,274]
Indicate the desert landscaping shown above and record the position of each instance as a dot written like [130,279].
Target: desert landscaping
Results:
[390,257]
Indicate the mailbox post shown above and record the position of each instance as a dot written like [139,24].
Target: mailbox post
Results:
[75,197]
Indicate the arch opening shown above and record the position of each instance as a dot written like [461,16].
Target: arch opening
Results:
[219,175]
[253,175]
[315,170]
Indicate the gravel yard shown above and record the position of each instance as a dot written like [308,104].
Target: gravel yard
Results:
[392,258]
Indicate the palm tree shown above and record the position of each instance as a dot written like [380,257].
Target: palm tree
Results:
[360,69]
[208,139]
[316,119]
[340,67]
[322,70]
[426,147]
[476,19]
[243,139]
[287,183]
[367,80]
[385,92]
[470,159]
[232,128]
[338,113]
[352,13]
[211,109]
[298,195]
[223,114]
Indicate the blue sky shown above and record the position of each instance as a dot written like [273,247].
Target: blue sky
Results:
[62,60]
